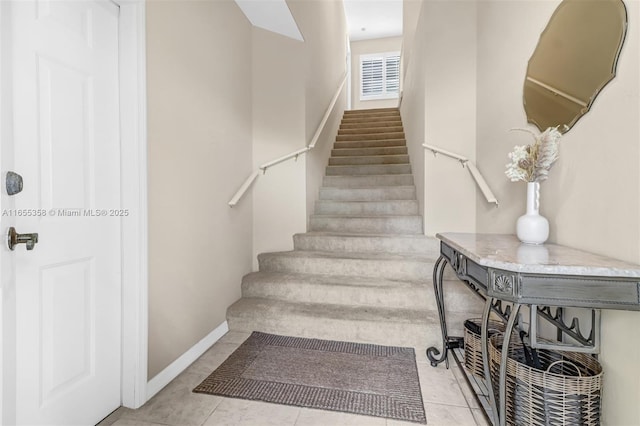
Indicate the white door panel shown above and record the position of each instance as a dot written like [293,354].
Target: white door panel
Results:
[66,143]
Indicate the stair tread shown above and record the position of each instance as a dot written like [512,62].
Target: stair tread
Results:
[356,160]
[371,119]
[372,148]
[367,130]
[407,327]
[367,114]
[350,255]
[357,291]
[368,156]
[404,140]
[342,280]
[367,169]
[351,111]
[366,216]
[370,144]
[373,166]
[371,112]
[356,235]
[375,135]
[364,181]
[412,200]
[250,305]
[430,243]
[370,177]
[353,118]
[392,121]
[370,165]
[390,188]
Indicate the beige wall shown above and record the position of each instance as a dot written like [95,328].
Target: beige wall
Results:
[364,47]
[223,99]
[323,26]
[592,197]
[410,15]
[199,124]
[279,199]
[439,108]
[413,105]
[293,84]
[326,62]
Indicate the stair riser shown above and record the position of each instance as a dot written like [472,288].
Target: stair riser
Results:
[384,297]
[371,130]
[370,137]
[417,335]
[368,194]
[371,119]
[374,111]
[401,207]
[380,169]
[370,144]
[366,181]
[401,295]
[369,124]
[366,244]
[370,116]
[371,110]
[404,270]
[376,159]
[367,152]
[369,225]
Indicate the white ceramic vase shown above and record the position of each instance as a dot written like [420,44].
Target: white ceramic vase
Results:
[532,228]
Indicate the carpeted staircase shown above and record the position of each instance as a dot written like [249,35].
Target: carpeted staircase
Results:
[363,272]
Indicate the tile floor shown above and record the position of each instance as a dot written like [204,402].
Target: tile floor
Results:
[446,395]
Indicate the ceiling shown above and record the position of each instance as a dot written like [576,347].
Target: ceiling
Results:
[379,18]
[271,15]
[366,19]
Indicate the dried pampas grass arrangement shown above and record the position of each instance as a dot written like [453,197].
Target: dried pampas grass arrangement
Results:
[531,163]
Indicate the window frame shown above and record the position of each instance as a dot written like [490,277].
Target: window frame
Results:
[385,94]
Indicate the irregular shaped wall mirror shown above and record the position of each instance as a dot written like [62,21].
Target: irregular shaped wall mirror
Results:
[575,58]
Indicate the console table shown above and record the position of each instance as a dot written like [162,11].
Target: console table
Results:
[546,278]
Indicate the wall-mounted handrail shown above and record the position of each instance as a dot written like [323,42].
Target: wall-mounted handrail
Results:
[247,183]
[254,175]
[473,170]
[327,113]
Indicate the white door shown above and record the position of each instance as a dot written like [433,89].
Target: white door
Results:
[65,139]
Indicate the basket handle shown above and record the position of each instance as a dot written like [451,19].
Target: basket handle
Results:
[564,362]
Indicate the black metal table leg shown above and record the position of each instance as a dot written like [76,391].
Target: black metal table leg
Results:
[434,355]
[504,356]
[484,341]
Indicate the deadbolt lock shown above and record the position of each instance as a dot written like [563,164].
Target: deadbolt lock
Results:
[13,183]
[13,239]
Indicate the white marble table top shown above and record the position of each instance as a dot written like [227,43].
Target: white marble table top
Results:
[506,252]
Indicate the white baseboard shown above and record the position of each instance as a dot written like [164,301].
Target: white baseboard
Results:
[172,371]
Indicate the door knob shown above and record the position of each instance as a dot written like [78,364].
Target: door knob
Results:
[13,239]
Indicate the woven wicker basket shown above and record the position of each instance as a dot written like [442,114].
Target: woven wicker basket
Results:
[566,391]
[473,345]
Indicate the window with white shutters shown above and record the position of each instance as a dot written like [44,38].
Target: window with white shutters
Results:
[380,76]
